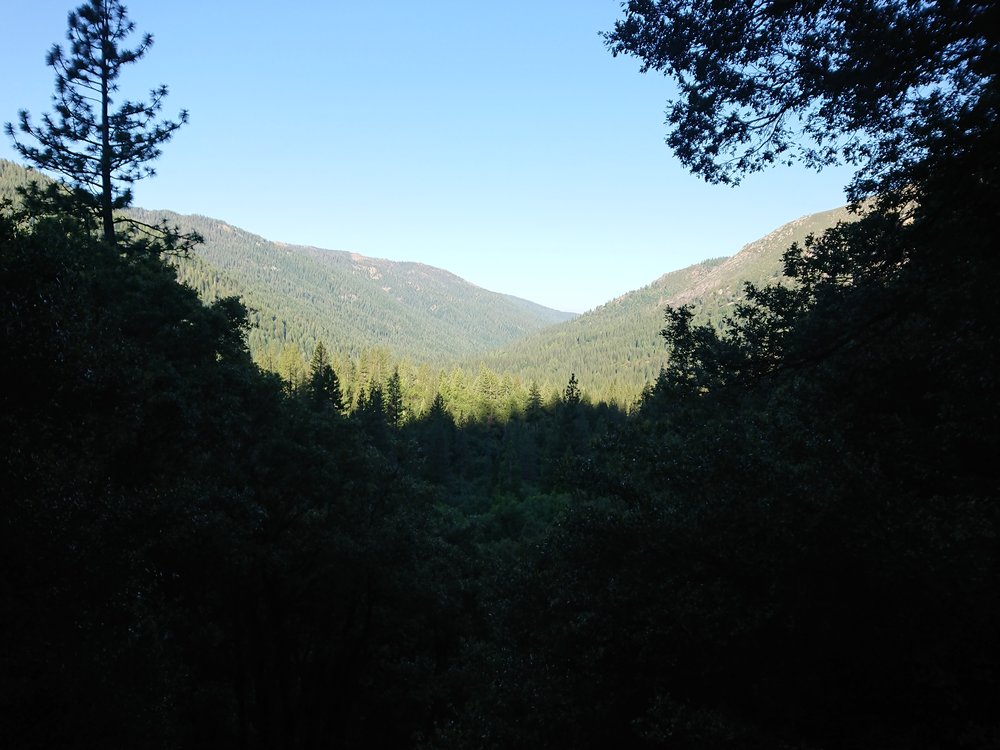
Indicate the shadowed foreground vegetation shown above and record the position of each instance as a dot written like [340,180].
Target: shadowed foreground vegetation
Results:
[791,541]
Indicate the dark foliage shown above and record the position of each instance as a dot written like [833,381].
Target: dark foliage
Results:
[191,557]
[879,84]
[791,543]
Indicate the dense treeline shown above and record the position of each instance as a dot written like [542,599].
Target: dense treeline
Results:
[299,297]
[791,542]
[196,553]
[615,349]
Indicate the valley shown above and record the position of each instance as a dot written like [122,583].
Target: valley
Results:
[484,349]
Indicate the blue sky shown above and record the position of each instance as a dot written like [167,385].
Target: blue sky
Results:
[500,141]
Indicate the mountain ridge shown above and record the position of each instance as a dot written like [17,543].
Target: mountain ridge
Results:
[616,348]
[301,294]
[382,311]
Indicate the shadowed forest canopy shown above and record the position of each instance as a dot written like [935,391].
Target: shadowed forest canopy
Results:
[790,542]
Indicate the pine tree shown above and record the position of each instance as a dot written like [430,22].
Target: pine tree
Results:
[324,385]
[394,399]
[533,410]
[571,395]
[97,149]
[439,409]
[374,405]
[291,367]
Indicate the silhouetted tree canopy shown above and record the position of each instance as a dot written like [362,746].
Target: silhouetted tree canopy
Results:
[790,542]
[877,84]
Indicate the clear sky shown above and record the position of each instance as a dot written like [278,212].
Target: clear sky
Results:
[498,140]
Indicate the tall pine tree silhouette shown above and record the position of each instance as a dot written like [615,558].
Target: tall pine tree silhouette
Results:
[97,146]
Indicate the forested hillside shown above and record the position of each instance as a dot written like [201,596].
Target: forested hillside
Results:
[374,316]
[790,542]
[615,349]
[13,176]
[301,295]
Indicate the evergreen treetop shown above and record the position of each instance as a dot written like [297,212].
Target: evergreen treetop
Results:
[97,148]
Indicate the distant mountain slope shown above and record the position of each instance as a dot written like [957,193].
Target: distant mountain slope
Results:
[300,295]
[616,348]
[350,301]
[613,349]
[408,311]
[13,176]
[758,262]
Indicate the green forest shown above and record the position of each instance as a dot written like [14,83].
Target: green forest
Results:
[443,335]
[788,540]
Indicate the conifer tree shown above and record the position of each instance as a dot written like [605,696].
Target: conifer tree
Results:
[533,409]
[571,395]
[324,385]
[99,149]
[394,399]
[374,405]
[438,410]
[291,367]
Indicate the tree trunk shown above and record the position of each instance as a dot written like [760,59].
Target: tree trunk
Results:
[107,216]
